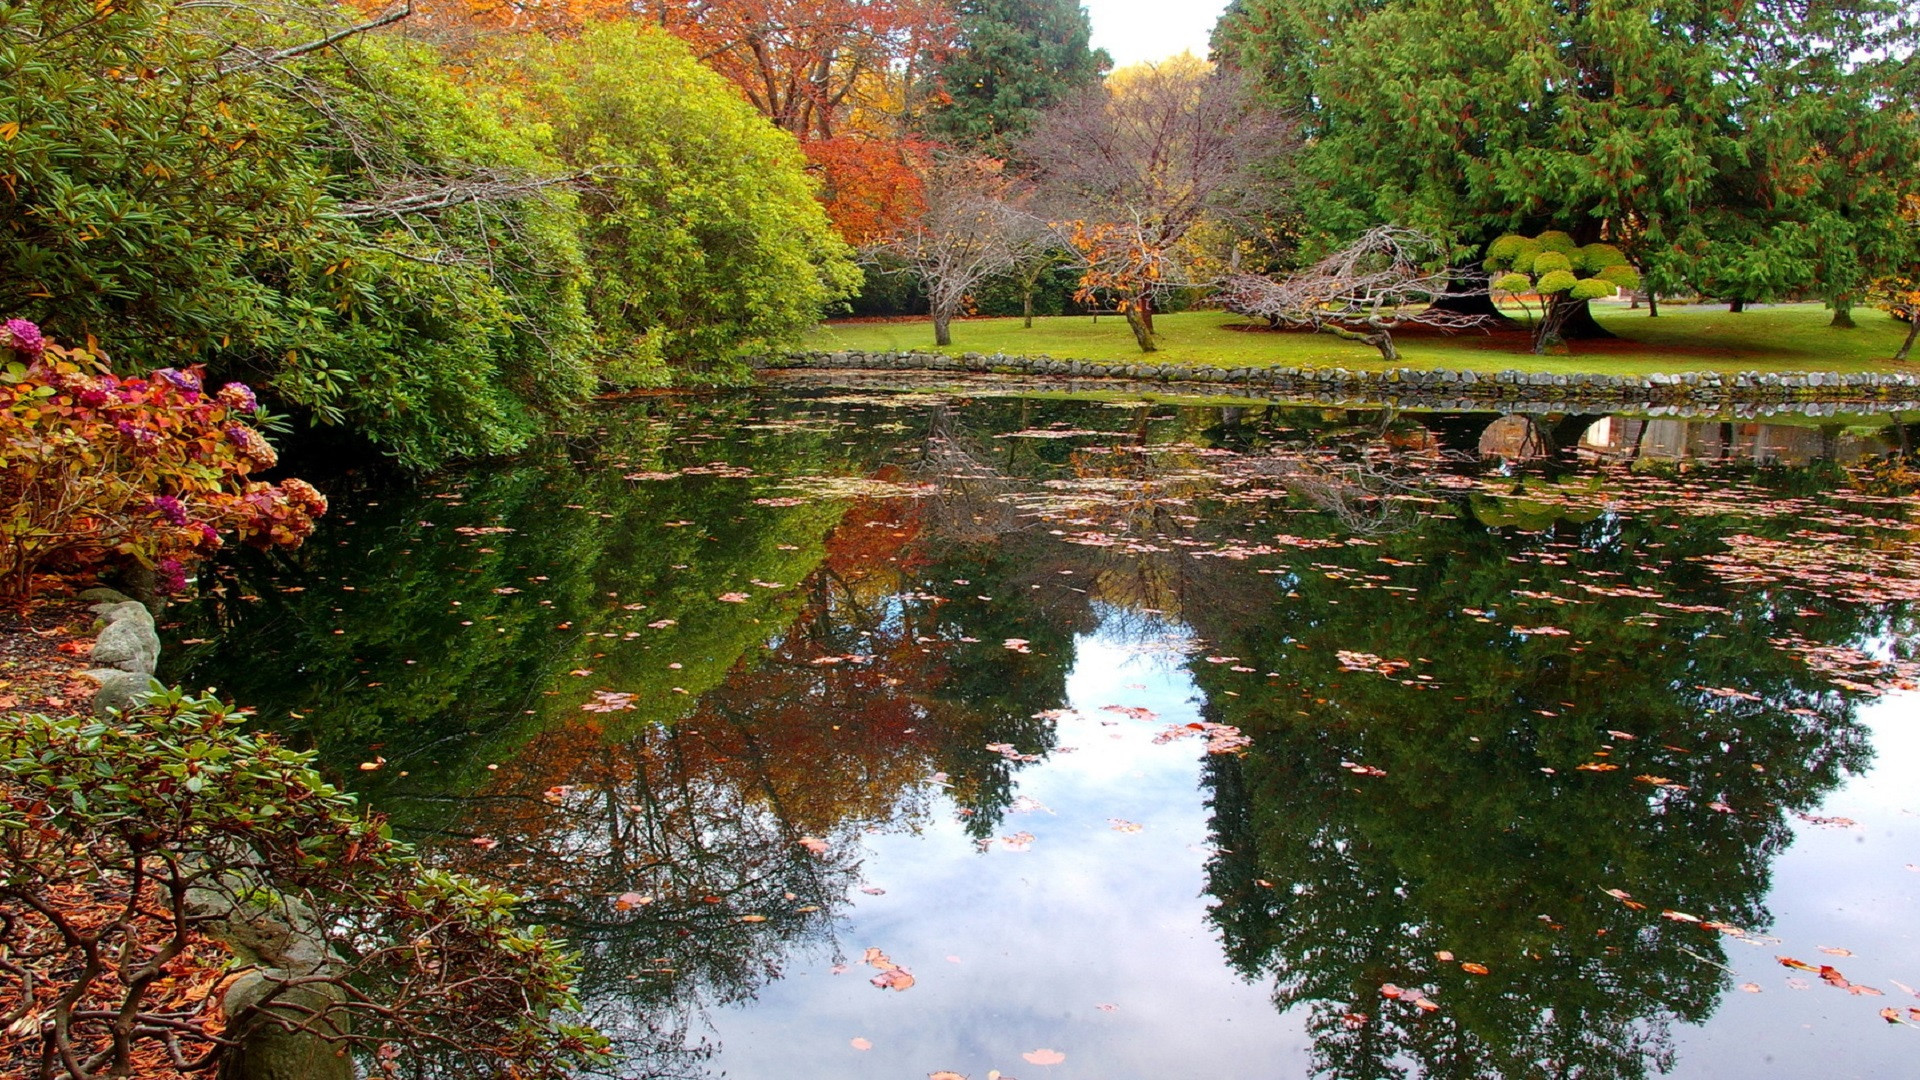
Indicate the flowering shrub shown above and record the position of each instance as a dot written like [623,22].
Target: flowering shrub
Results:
[98,470]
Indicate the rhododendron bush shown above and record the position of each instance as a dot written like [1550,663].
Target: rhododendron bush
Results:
[100,471]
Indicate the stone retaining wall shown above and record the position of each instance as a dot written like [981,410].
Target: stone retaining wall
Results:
[1469,389]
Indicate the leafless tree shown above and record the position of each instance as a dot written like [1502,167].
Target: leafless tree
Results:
[971,231]
[1136,168]
[1383,281]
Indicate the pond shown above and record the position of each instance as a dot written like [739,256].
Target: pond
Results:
[857,732]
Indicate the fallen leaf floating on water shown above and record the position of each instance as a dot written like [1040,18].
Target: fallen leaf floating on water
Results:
[1358,769]
[1751,988]
[1123,825]
[372,766]
[1044,1057]
[1019,645]
[1105,1007]
[1444,956]
[631,900]
[1221,738]
[860,1044]
[872,890]
[1473,968]
[1829,975]
[892,976]
[734,598]
[1026,804]
[945,1075]
[814,844]
[1416,998]
[1831,951]
[607,701]
[484,843]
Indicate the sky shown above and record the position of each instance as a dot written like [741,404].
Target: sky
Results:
[1137,30]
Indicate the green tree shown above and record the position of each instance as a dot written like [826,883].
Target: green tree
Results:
[1014,58]
[341,227]
[453,280]
[1662,128]
[706,242]
[146,199]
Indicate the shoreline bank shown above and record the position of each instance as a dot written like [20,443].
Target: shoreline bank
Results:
[1440,388]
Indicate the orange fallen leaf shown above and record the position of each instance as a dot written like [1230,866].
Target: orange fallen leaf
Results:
[1474,969]
[1044,1057]
[861,1044]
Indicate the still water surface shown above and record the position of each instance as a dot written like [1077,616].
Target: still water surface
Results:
[1148,739]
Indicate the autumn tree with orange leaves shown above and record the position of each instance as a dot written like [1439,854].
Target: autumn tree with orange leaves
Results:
[1144,166]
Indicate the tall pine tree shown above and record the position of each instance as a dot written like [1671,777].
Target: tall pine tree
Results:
[1014,58]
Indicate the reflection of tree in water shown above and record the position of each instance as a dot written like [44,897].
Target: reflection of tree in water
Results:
[1333,884]
[884,664]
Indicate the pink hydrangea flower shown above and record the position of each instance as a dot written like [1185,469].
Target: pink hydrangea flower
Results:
[24,337]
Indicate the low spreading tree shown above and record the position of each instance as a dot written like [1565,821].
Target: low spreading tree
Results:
[1381,282]
[1562,273]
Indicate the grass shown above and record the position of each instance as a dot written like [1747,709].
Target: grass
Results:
[1782,337]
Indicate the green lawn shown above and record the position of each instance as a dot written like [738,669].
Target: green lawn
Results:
[1785,337]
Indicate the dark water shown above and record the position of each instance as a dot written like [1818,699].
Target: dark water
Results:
[1159,737]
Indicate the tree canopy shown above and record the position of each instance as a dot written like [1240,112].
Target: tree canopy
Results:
[1694,135]
[1012,59]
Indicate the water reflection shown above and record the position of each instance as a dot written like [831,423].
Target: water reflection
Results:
[683,680]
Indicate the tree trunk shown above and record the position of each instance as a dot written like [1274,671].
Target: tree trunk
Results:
[1461,298]
[1554,312]
[1843,313]
[1137,320]
[1577,322]
[942,333]
[1026,305]
[1736,307]
[1653,305]
[1145,306]
[1379,339]
[1906,347]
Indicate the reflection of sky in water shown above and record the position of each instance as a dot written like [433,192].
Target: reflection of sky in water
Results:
[1088,916]
[1845,888]
[1093,916]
